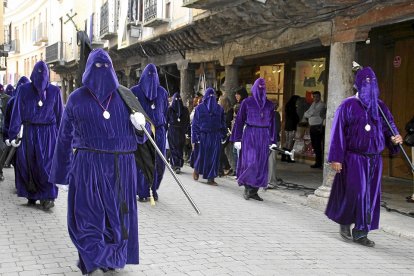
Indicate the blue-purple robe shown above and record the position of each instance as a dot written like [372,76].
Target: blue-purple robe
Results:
[9,89]
[208,130]
[10,105]
[356,191]
[178,120]
[101,172]
[255,128]
[41,124]
[154,99]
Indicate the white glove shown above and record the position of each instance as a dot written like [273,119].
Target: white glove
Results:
[273,147]
[14,144]
[7,142]
[237,145]
[138,120]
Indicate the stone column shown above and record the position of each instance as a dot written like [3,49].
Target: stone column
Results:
[232,81]
[340,82]
[63,90]
[187,78]
[70,85]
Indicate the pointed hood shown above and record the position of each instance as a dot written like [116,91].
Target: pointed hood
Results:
[22,80]
[9,89]
[259,92]
[149,81]
[368,91]
[177,104]
[40,78]
[210,99]
[99,76]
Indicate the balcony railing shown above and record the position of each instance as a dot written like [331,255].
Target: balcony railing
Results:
[109,19]
[41,34]
[153,14]
[61,53]
[15,46]
[54,53]
[207,4]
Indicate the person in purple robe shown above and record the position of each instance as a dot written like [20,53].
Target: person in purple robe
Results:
[9,90]
[38,109]
[208,132]
[253,133]
[358,136]
[154,99]
[178,120]
[7,119]
[94,155]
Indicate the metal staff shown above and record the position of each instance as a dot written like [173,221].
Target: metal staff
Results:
[393,134]
[13,149]
[170,169]
[285,152]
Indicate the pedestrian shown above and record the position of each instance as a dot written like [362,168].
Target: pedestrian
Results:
[291,123]
[154,99]
[208,131]
[38,109]
[178,121]
[253,133]
[7,116]
[4,149]
[94,155]
[316,115]
[241,94]
[358,136]
[225,167]
[273,179]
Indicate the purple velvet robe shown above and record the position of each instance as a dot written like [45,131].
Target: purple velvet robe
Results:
[41,123]
[178,120]
[151,94]
[101,172]
[208,130]
[255,128]
[356,191]
[10,105]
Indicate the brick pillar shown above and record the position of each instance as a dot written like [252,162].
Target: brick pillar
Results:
[340,82]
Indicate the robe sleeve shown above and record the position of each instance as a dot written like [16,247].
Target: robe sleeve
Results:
[337,148]
[223,128]
[195,128]
[16,117]
[7,118]
[63,155]
[386,130]
[58,109]
[241,117]
[273,129]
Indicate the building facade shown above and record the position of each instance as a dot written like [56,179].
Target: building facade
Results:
[297,46]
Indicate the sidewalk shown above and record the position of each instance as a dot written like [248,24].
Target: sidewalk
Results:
[393,194]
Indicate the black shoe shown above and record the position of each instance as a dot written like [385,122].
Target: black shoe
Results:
[365,242]
[31,202]
[142,199]
[177,171]
[345,232]
[257,197]
[1,177]
[47,204]
[316,166]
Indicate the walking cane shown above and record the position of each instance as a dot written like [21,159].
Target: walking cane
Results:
[171,170]
[393,134]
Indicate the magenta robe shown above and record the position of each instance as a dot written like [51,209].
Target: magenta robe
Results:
[356,191]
